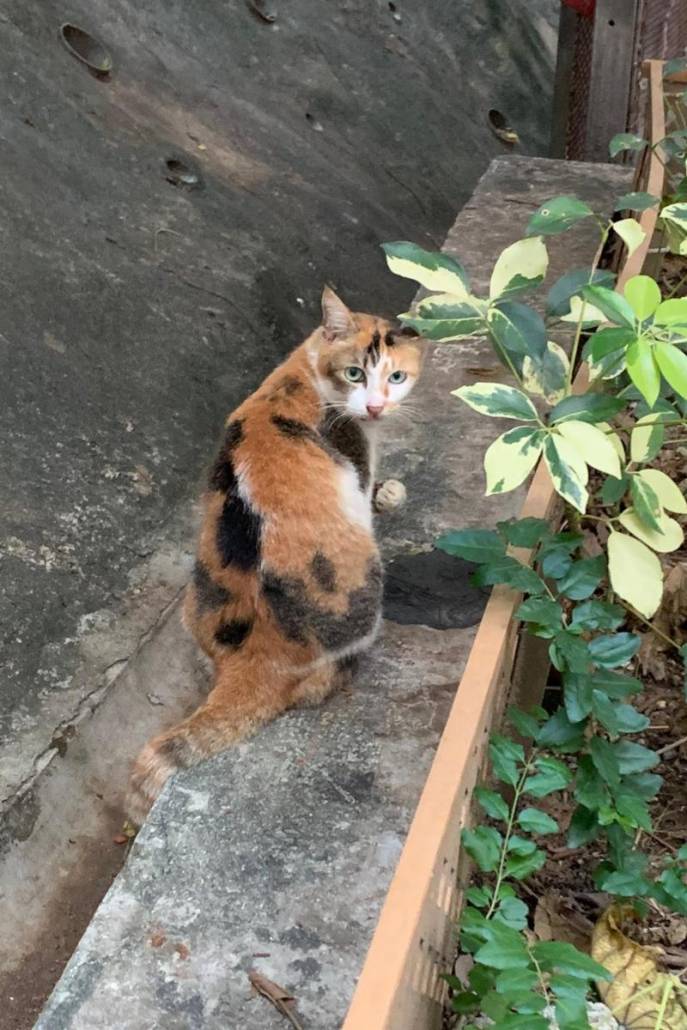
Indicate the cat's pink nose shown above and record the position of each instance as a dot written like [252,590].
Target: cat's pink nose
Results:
[375,410]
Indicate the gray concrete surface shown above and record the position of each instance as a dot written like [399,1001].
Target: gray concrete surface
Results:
[277,854]
[135,313]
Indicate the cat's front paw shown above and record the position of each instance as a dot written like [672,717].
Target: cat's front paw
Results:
[389,495]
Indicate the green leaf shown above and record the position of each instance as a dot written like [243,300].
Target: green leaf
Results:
[505,756]
[613,649]
[565,958]
[437,272]
[584,827]
[625,141]
[643,371]
[513,912]
[525,723]
[525,532]
[617,718]
[569,653]
[464,1002]
[546,614]
[479,896]
[672,312]
[633,758]
[555,554]
[512,573]
[615,308]
[516,980]
[571,285]
[567,470]
[636,202]
[591,790]
[633,810]
[506,949]
[577,695]
[476,545]
[494,1006]
[635,573]
[673,365]
[646,503]
[560,732]
[520,866]
[643,785]
[557,215]
[498,401]
[509,460]
[643,296]
[518,329]
[571,1002]
[614,489]
[615,684]
[583,578]
[551,775]
[610,340]
[624,884]
[594,614]
[522,266]
[586,407]
[605,761]
[631,233]
[533,820]
[483,844]
[492,803]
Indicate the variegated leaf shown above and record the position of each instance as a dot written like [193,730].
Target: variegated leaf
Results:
[646,440]
[593,445]
[669,538]
[630,232]
[437,272]
[519,267]
[511,458]
[668,492]
[498,400]
[567,470]
[547,376]
[635,573]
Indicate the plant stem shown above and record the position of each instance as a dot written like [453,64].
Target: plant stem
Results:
[671,746]
[540,976]
[667,991]
[605,229]
[509,830]
[677,286]
[654,629]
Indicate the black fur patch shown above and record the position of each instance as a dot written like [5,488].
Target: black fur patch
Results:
[286,387]
[222,476]
[178,751]
[232,634]
[348,439]
[238,533]
[209,594]
[373,352]
[293,428]
[299,618]
[324,572]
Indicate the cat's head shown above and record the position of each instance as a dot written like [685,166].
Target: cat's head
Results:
[365,366]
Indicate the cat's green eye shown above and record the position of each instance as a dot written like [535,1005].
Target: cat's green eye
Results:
[398,377]
[354,374]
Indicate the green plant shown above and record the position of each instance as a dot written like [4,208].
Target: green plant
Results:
[581,584]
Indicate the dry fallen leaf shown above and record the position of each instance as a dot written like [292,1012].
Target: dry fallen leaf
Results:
[157,939]
[555,919]
[281,999]
[182,951]
[640,996]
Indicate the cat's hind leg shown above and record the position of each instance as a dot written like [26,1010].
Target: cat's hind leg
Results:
[245,695]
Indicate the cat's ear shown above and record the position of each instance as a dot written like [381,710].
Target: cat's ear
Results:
[337,320]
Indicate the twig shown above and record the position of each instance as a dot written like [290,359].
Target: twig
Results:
[669,747]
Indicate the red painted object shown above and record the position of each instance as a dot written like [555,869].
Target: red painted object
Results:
[583,7]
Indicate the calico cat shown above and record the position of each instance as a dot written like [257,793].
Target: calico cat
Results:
[287,585]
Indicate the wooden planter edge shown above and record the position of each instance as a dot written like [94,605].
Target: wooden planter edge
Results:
[399,987]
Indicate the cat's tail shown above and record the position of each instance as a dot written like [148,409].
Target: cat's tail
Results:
[244,696]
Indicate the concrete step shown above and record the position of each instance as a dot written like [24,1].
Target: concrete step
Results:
[276,855]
